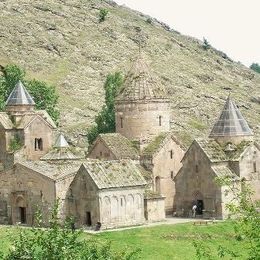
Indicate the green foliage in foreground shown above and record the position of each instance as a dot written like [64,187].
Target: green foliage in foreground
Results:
[45,96]
[105,120]
[161,242]
[255,67]
[59,243]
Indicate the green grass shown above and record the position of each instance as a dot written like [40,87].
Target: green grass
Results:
[161,242]
[174,241]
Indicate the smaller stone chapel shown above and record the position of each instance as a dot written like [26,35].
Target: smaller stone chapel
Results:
[229,151]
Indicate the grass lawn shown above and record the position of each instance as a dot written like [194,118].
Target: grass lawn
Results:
[160,242]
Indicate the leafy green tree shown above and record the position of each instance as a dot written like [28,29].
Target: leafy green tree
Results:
[60,242]
[44,95]
[102,14]
[255,67]
[105,120]
[206,44]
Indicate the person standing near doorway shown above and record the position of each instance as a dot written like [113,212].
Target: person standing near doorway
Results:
[194,210]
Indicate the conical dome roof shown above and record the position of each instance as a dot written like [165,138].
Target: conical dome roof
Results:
[61,142]
[19,96]
[231,122]
[139,84]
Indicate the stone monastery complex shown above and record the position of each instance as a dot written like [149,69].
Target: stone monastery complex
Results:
[136,175]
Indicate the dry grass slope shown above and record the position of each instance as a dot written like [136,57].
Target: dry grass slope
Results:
[62,42]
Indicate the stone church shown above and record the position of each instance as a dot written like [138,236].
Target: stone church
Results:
[143,134]
[230,151]
[35,171]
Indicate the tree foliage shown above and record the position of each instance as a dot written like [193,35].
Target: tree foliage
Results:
[60,242]
[105,120]
[206,45]
[44,95]
[255,67]
[245,213]
[102,14]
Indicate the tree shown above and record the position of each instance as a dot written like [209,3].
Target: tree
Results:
[255,67]
[44,95]
[105,120]
[206,44]
[245,213]
[102,14]
[59,242]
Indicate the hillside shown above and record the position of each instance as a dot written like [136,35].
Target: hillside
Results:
[62,42]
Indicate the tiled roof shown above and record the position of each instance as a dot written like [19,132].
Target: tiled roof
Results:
[216,153]
[156,144]
[223,171]
[19,96]
[114,174]
[6,121]
[53,171]
[120,146]
[212,149]
[139,84]
[231,122]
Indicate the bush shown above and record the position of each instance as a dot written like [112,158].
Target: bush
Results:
[255,67]
[102,14]
[206,44]
[59,242]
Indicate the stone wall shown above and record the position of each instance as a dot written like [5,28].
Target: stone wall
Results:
[166,164]
[24,188]
[196,181]
[142,120]
[101,151]
[121,207]
[37,129]
[154,209]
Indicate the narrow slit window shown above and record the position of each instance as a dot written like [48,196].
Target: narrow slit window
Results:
[160,120]
[38,144]
[121,122]
[197,168]
[172,175]
[171,154]
[254,166]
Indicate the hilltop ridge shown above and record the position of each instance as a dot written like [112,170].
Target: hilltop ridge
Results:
[63,43]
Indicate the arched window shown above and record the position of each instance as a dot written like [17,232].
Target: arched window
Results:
[160,120]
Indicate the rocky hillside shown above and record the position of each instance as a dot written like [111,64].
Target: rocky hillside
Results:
[63,42]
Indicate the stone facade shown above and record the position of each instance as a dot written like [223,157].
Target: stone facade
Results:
[230,152]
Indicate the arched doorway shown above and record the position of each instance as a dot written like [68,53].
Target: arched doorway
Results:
[198,200]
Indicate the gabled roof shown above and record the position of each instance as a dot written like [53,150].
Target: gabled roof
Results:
[231,122]
[19,96]
[27,118]
[53,171]
[155,144]
[139,84]
[5,121]
[223,171]
[114,174]
[119,145]
[217,153]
